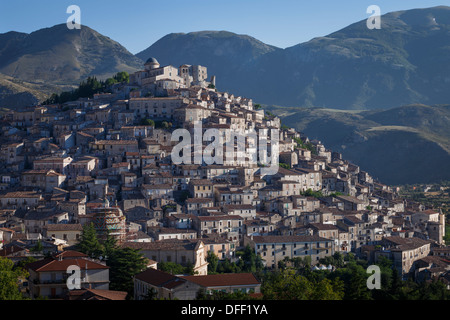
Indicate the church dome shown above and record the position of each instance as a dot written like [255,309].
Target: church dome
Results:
[152,60]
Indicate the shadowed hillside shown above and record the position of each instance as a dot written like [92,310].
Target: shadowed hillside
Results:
[402,145]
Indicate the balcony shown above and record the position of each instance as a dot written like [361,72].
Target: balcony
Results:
[50,282]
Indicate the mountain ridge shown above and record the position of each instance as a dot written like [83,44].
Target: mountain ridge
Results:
[353,68]
[407,144]
[62,56]
[405,62]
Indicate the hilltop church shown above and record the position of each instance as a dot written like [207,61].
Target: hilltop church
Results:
[156,79]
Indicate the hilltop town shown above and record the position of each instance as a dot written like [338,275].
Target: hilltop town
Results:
[108,161]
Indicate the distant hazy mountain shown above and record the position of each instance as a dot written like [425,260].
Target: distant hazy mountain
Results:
[62,56]
[227,55]
[408,144]
[406,61]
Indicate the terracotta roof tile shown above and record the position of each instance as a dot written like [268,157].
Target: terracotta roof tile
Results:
[48,265]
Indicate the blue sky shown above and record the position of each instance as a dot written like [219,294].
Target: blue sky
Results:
[137,24]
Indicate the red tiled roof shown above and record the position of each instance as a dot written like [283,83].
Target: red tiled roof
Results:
[50,264]
[96,294]
[159,278]
[10,250]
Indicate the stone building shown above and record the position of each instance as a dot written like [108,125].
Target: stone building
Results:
[183,252]
[273,249]
[48,277]
[404,252]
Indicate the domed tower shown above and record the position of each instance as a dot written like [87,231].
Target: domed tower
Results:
[151,64]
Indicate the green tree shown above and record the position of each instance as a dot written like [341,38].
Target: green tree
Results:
[38,247]
[329,260]
[227,266]
[307,261]
[122,77]
[386,266]
[109,245]
[357,287]
[286,285]
[9,280]
[189,269]
[250,261]
[89,243]
[338,260]
[284,165]
[311,193]
[213,262]
[124,263]
[182,196]
[434,290]
[53,99]
[396,285]
[88,88]
[22,263]
[171,267]
[326,289]
[110,81]
[148,122]
[166,125]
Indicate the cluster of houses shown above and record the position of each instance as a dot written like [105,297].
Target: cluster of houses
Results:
[98,161]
